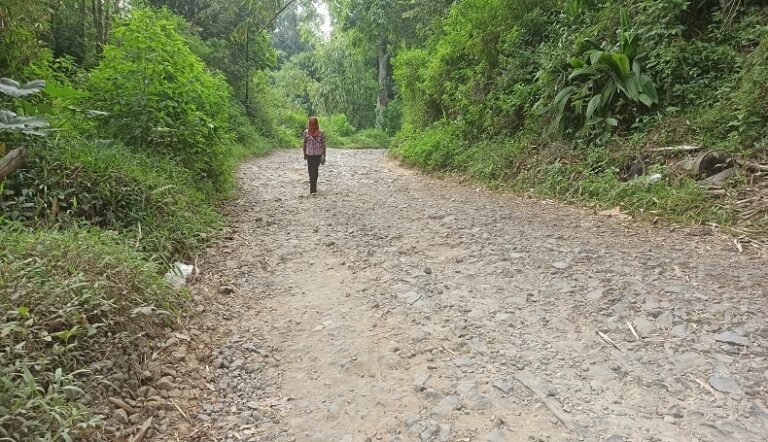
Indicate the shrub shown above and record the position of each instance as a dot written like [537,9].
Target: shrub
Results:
[161,97]
[153,202]
[70,301]
[436,148]
[337,124]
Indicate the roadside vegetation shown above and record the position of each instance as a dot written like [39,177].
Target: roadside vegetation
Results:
[122,122]
[592,101]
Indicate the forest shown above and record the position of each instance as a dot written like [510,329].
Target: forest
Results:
[122,123]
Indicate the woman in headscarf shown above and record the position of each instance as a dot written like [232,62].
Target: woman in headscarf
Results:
[314,152]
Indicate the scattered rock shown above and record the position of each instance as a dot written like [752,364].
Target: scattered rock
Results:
[429,432]
[446,406]
[165,383]
[119,403]
[463,361]
[560,265]
[503,386]
[730,337]
[496,435]
[410,421]
[420,383]
[644,327]
[725,385]
[664,321]
[226,290]
[179,273]
[120,416]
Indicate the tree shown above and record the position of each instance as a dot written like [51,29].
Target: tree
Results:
[386,24]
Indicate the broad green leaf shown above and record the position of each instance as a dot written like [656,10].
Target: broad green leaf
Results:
[649,88]
[56,90]
[577,63]
[582,71]
[645,99]
[622,62]
[608,92]
[562,97]
[624,16]
[594,103]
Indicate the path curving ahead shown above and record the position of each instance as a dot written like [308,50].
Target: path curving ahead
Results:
[398,307]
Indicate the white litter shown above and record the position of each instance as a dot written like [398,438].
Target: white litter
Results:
[177,276]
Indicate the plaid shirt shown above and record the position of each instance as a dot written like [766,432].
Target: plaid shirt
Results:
[314,146]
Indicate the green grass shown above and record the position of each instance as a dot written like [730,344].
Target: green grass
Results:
[70,299]
[364,139]
[525,163]
[156,205]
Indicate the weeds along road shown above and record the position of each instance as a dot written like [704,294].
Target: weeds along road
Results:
[398,307]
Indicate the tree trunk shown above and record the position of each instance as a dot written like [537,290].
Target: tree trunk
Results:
[83,31]
[383,99]
[247,71]
[11,162]
[97,9]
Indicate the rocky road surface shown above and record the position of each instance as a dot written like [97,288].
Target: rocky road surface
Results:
[398,307]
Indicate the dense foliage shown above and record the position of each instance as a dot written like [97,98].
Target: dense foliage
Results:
[567,97]
[131,125]
[160,96]
[72,304]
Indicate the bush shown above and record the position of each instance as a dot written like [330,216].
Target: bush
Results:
[161,97]
[71,301]
[337,124]
[436,148]
[153,202]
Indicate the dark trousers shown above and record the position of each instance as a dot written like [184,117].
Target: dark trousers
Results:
[313,163]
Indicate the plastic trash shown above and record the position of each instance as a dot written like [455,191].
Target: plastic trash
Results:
[178,274]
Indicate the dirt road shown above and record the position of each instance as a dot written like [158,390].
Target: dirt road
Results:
[398,307]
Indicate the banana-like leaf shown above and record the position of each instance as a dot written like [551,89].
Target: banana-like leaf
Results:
[11,122]
[577,63]
[593,105]
[562,97]
[622,62]
[620,82]
[14,89]
[645,99]
[633,87]
[629,44]
[596,56]
[608,92]
[582,71]
[649,89]
[624,16]
[593,44]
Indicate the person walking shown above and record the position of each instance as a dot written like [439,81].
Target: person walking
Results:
[314,152]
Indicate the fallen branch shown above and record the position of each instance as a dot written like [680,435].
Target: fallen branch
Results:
[632,329]
[143,431]
[755,167]
[181,411]
[121,404]
[552,404]
[608,340]
[683,148]
[11,162]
